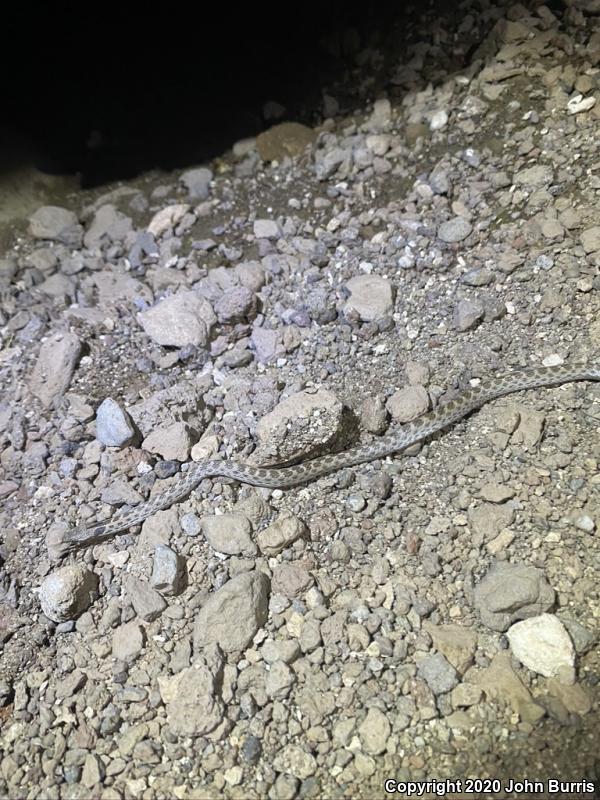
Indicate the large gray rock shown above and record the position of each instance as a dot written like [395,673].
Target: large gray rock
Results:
[510,592]
[232,615]
[56,224]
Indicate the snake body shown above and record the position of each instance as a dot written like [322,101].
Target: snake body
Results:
[285,477]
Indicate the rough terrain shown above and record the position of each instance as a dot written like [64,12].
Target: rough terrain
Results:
[433,616]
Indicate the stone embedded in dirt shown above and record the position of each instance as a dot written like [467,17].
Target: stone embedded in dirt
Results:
[172,442]
[182,319]
[280,534]
[371,297]
[68,592]
[148,603]
[467,314]
[56,224]
[232,615]
[454,230]
[113,424]
[128,641]
[408,403]
[230,534]
[287,139]
[511,592]
[55,366]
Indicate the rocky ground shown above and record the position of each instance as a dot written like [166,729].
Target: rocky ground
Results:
[433,616]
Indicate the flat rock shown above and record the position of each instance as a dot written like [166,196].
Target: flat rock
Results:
[55,366]
[171,442]
[454,230]
[371,297]
[233,614]
[230,534]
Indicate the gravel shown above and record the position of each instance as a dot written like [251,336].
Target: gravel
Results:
[430,615]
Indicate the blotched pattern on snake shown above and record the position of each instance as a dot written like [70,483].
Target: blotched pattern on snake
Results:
[284,477]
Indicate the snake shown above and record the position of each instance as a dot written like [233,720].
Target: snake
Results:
[395,441]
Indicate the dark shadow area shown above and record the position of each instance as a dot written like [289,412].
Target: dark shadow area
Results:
[109,92]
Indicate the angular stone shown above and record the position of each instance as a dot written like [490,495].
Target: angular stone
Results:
[232,616]
[370,297]
[183,319]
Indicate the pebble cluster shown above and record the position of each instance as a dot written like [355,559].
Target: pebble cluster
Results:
[432,616]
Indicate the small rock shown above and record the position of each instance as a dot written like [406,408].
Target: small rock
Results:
[280,534]
[128,641]
[590,239]
[266,229]
[197,182]
[510,592]
[370,297]
[113,424]
[68,592]
[408,403]
[467,314]
[578,104]
[183,319]
[293,760]
[147,603]
[543,645]
[168,571]
[454,230]
[374,732]
[194,707]
[172,442]
[439,675]
[55,366]
[230,534]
